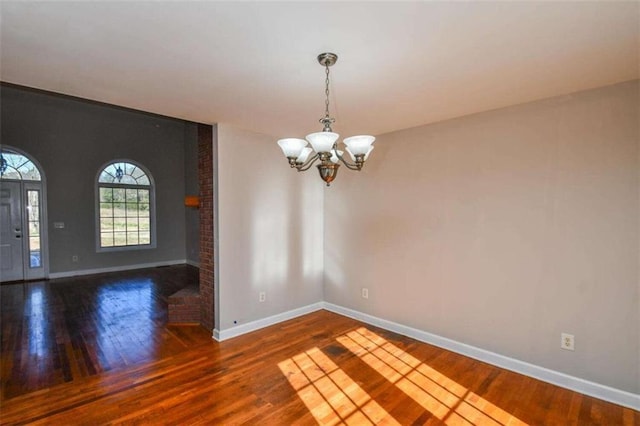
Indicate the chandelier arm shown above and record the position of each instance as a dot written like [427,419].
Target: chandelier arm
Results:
[306,166]
[350,166]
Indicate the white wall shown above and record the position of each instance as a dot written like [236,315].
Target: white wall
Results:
[270,230]
[502,230]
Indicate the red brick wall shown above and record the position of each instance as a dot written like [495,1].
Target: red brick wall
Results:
[184,306]
[205,179]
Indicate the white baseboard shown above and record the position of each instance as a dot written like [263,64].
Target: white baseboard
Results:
[576,384]
[193,263]
[229,333]
[216,335]
[79,272]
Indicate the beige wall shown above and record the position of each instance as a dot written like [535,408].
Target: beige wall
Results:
[270,230]
[501,230]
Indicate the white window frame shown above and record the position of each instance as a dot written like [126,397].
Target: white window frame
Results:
[152,207]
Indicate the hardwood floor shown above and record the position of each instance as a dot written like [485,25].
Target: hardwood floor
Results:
[62,330]
[97,350]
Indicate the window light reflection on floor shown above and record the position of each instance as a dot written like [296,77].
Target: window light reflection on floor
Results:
[329,393]
[441,396]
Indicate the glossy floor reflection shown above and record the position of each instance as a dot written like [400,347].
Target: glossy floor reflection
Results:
[59,330]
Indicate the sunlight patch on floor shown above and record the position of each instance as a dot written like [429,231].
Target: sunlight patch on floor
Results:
[329,393]
[441,396]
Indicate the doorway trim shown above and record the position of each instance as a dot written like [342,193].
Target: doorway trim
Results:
[26,185]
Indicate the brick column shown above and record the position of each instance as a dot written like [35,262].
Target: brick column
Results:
[205,180]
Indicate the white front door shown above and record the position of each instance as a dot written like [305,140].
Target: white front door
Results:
[11,232]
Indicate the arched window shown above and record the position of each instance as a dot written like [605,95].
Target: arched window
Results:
[17,166]
[125,207]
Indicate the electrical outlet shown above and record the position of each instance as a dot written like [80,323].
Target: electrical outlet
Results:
[567,341]
[365,293]
[262,296]
[74,258]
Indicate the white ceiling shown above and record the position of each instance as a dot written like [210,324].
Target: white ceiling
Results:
[253,64]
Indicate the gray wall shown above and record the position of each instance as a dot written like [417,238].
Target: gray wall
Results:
[72,139]
[502,230]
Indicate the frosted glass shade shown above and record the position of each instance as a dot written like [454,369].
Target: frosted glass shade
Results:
[334,157]
[292,147]
[353,157]
[304,155]
[322,141]
[359,144]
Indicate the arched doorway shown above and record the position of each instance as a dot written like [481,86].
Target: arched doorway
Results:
[23,225]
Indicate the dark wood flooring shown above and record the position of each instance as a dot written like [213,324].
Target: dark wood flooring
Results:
[97,350]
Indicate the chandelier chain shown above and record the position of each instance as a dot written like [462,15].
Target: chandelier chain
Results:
[326,92]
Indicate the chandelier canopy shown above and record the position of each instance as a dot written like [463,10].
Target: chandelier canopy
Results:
[324,144]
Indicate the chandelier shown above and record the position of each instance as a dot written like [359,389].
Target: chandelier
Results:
[324,144]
